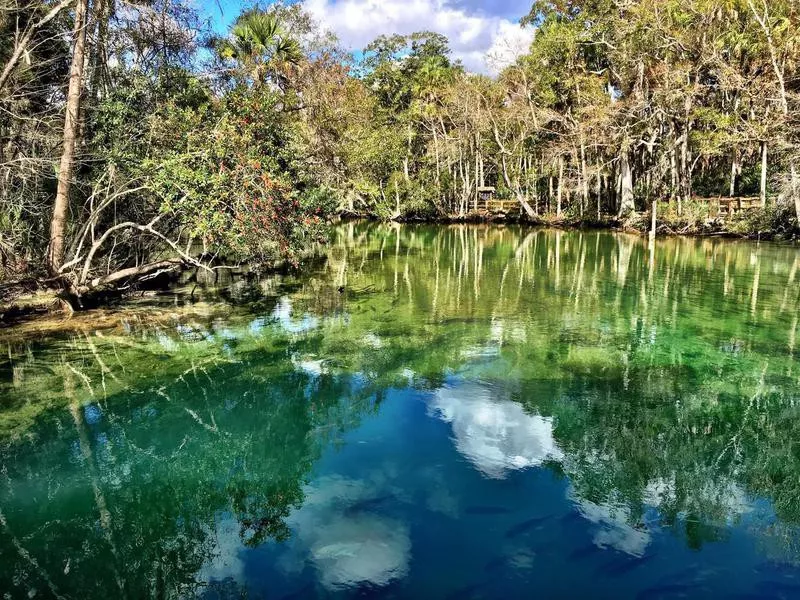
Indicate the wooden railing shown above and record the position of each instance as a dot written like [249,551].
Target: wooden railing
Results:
[726,206]
[498,206]
[721,206]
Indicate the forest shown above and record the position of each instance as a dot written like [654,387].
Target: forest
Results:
[135,141]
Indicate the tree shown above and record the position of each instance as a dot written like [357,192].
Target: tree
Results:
[58,224]
[259,45]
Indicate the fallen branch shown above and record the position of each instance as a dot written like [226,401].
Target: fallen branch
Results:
[164,265]
[185,258]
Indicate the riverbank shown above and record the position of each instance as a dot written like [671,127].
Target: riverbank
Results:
[770,224]
[26,304]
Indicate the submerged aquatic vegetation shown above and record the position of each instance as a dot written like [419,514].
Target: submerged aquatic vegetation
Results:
[543,396]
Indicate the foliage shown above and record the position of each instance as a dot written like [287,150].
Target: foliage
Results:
[274,126]
[170,159]
[223,176]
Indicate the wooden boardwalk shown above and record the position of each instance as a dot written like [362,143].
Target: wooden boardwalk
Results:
[486,203]
[499,206]
[726,206]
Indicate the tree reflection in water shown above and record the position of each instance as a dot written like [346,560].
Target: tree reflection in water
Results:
[151,456]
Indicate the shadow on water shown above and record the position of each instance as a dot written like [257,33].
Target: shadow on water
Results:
[550,403]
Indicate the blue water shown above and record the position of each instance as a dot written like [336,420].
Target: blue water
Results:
[432,412]
[408,506]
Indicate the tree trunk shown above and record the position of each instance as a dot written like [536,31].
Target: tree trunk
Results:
[674,177]
[438,161]
[559,191]
[686,176]
[21,46]
[653,218]
[763,195]
[101,11]
[599,191]
[58,224]
[584,178]
[778,66]
[408,154]
[396,201]
[735,168]
[795,192]
[515,188]
[627,204]
[477,179]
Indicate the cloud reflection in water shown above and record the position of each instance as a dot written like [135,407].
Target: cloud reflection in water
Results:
[497,436]
[348,543]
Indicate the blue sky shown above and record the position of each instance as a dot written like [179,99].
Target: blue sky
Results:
[484,35]
[221,12]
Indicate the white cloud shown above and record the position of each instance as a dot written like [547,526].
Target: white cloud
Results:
[484,42]
[346,541]
[285,316]
[497,436]
[339,530]
[720,496]
[351,551]
[226,561]
[613,527]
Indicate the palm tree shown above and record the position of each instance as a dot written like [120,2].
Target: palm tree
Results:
[260,45]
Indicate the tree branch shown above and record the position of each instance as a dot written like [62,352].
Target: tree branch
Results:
[26,38]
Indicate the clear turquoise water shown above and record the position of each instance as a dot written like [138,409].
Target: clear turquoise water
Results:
[434,412]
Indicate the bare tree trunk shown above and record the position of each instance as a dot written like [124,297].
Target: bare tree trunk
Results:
[516,189]
[408,154]
[599,191]
[686,176]
[396,201]
[627,204]
[778,67]
[653,217]
[58,223]
[584,178]
[763,174]
[22,45]
[674,177]
[101,11]
[559,191]
[477,177]
[795,191]
[764,21]
[734,172]
[438,161]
